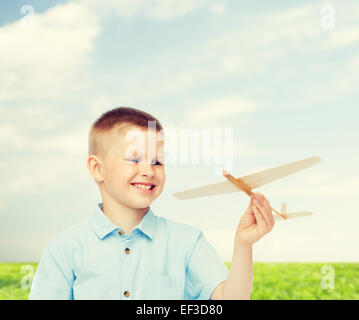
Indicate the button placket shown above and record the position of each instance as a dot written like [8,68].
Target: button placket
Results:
[126,251]
[124,244]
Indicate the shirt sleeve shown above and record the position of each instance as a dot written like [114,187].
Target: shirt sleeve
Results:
[205,270]
[54,277]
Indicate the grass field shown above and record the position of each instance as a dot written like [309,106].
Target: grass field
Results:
[282,281]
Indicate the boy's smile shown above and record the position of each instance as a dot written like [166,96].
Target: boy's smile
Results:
[147,188]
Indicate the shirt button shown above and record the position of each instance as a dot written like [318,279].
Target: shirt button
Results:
[127,250]
[121,232]
[126,293]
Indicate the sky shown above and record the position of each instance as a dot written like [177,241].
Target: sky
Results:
[280,77]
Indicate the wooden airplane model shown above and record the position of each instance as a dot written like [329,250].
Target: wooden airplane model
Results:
[252,181]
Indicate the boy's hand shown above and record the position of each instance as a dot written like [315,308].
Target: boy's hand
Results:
[256,221]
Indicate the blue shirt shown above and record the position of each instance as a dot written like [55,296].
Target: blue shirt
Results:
[159,259]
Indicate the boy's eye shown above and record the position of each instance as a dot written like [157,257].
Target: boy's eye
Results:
[133,160]
[157,163]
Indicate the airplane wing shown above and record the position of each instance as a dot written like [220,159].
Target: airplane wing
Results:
[292,215]
[253,180]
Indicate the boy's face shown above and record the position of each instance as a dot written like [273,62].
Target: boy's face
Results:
[135,158]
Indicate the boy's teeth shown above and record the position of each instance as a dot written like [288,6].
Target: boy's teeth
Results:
[142,186]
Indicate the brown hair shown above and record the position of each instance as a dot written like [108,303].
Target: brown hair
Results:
[119,117]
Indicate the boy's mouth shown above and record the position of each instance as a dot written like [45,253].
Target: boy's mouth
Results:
[147,188]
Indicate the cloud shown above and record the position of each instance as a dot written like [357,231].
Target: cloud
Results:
[153,9]
[274,35]
[217,9]
[101,104]
[266,38]
[41,65]
[49,58]
[72,141]
[342,37]
[43,162]
[322,186]
[214,110]
[166,9]
[231,62]
[354,63]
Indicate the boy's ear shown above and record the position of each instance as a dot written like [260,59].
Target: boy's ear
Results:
[94,166]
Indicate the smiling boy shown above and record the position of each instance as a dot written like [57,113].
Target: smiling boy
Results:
[125,251]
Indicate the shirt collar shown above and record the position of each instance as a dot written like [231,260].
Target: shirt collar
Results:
[103,226]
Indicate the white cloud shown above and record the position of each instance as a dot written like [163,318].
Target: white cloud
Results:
[44,174]
[218,9]
[166,9]
[244,149]
[328,188]
[101,104]
[44,60]
[341,37]
[231,62]
[154,9]
[46,161]
[15,139]
[317,178]
[216,109]
[354,63]
[273,35]
[38,65]
[123,8]
[267,37]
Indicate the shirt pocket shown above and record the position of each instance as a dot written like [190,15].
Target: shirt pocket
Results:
[159,287]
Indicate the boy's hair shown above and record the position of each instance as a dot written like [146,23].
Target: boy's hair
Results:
[118,118]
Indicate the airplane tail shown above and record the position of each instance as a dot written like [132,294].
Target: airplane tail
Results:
[290,215]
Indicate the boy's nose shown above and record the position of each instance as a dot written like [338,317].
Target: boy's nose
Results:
[146,169]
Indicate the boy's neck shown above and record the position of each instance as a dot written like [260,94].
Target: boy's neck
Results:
[123,217]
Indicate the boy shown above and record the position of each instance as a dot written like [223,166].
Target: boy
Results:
[124,251]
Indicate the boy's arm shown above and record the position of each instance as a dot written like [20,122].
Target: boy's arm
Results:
[238,284]
[253,225]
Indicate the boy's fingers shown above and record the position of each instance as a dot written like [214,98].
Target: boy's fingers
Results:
[249,210]
[259,206]
[257,213]
[265,213]
[259,217]
[268,212]
[261,198]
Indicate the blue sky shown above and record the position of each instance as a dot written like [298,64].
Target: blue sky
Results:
[285,85]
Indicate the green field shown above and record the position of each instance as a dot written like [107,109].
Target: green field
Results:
[283,281]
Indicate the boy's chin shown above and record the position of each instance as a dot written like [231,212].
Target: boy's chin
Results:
[141,204]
